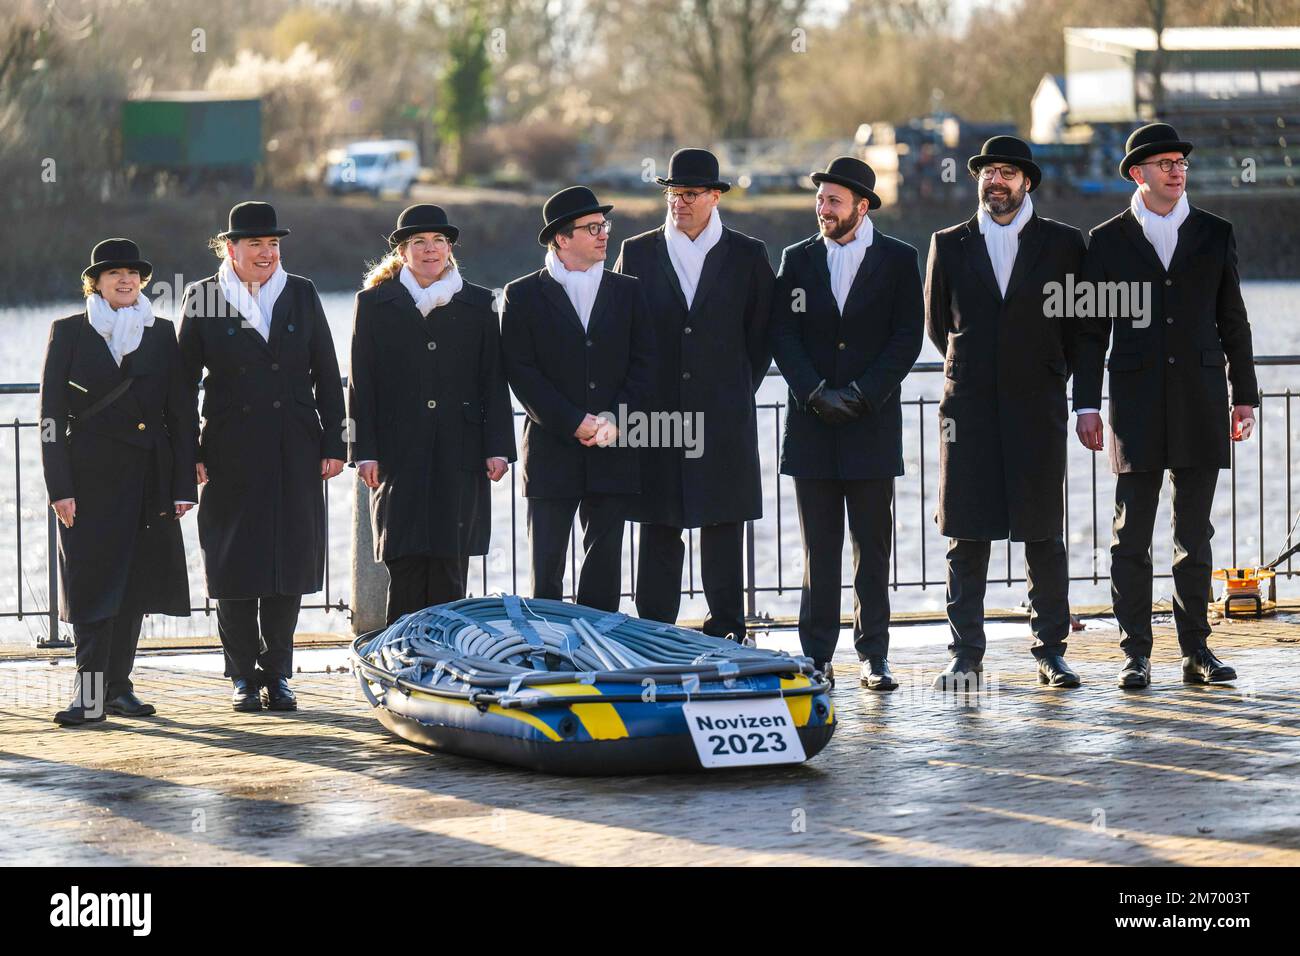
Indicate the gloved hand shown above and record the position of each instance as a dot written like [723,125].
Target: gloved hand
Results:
[837,406]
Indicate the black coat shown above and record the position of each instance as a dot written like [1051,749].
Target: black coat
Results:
[874,344]
[124,465]
[711,361]
[427,400]
[1003,419]
[272,410]
[1169,394]
[560,373]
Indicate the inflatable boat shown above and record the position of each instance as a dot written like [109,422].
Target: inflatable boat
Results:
[567,689]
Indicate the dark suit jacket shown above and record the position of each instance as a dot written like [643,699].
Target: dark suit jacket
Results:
[1169,395]
[125,466]
[428,400]
[561,372]
[1003,420]
[272,409]
[874,344]
[711,360]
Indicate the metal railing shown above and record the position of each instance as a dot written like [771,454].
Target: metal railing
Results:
[757,584]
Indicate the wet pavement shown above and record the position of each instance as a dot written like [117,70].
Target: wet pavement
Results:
[1017,774]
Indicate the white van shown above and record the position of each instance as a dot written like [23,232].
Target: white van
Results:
[374,166]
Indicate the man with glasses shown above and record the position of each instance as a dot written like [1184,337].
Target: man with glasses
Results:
[1182,388]
[1003,418]
[576,341]
[710,292]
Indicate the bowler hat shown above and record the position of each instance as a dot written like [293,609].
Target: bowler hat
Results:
[690,166]
[423,217]
[1011,150]
[853,174]
[566,206]
[117,254]
[1151,140]
[248,220]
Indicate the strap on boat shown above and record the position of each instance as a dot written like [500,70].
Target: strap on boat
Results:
[515,612]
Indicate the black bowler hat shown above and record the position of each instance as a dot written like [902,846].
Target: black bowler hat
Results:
[1011,150]
[696,168]
[424,217]
[1151,140]
[852,174]
[249,220]
[566,206]
[117,254]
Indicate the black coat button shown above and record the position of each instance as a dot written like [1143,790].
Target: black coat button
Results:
[275,366]
[290,328]
[432,346]
[230,331]
[842,346]
[686,376]
[590,343]
[1169,282]
[687,330]
[1169,320]
[247,409]
[275,404]
[1171,360]
[591,384]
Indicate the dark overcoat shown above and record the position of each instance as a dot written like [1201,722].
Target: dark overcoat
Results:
[272,410]
[1003,420]
[561,372]
[874,344]
[124,465]
[427,399]
[712,358]
[1170,401]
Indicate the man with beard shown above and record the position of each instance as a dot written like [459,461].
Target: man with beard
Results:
[1182,384]
[1003,417]
[710,295]
[846,328]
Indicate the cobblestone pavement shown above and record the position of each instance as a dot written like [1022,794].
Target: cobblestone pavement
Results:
[1016,775]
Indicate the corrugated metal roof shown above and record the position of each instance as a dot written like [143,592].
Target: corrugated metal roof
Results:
[1189,38]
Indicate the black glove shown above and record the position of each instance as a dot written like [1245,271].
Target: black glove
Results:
[835,406]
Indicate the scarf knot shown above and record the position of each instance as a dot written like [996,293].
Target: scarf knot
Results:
[437,293]
[122,329]
[688,255]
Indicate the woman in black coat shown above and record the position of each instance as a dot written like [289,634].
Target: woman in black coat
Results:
[273,429]
[429,411]
[118,454]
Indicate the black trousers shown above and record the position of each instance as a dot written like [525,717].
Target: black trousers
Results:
[1047,574]
[254,653]
[550,521]
[722,573]
[822,505]
[1137,495]
[419,581]
[105,655]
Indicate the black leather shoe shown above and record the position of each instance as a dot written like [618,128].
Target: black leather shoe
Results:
[827,670]
[1053,671]
[1204,668]
[277,695]
[1136,672]
[128,705]
[245,696]
[960,674]
[74,715]
[876,674]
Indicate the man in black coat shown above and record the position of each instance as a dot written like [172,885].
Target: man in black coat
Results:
[1003,421]
[846,328]
[273,429]
[1182,386]
[578,349]
[710,293]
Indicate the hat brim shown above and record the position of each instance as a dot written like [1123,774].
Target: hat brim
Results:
[873,201]
[1151,149]
[397,235]
[234,234]
[1026,166]
[554,225]
[142,266]
[692,182]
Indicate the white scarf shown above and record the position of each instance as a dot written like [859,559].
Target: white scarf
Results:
[1002,241]
[256,309]
[688,256]
[580,286]
[439,292]
[845,260]
[122,329]
[1161,231]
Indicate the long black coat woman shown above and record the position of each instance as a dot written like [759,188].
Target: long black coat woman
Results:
[430,412]
[118,455]
[273,428]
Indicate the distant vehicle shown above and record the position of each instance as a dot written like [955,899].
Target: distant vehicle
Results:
[199,140]
[373,166]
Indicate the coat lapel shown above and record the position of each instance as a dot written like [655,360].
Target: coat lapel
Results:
[1137,238]
[872,258]
[666,263]
[1028,249]
[559,300]
[1189,237]
[601,305]
[279,318]
[713,264]
[977,257]
[94,347]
